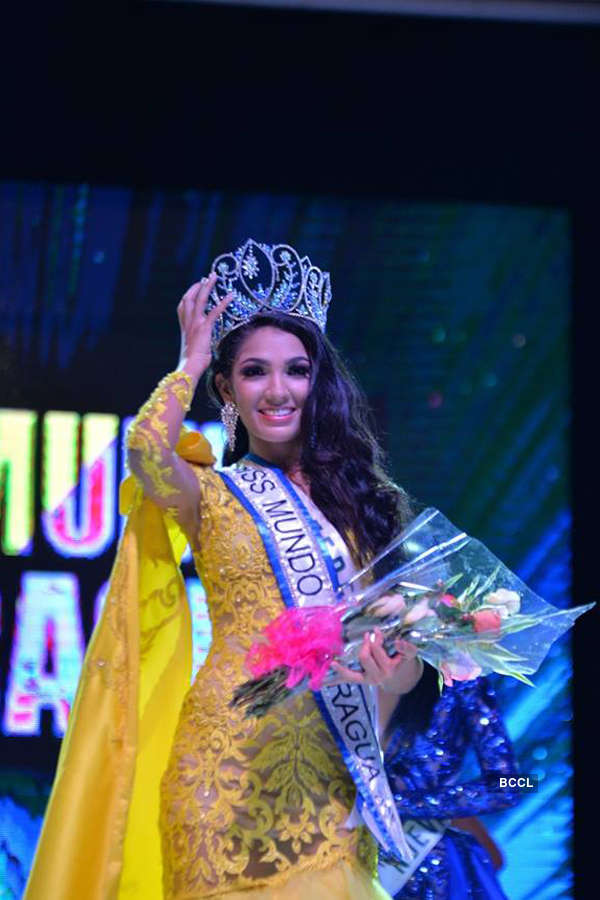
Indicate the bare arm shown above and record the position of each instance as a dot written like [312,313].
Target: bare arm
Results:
[392,675]
[153,435]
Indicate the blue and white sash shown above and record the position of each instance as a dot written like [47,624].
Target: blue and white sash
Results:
[298,550]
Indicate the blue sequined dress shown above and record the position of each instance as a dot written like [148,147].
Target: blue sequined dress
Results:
[424,774]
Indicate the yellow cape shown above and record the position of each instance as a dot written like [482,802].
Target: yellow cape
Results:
[100,839]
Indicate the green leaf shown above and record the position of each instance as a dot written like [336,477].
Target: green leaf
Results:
[523,678]
[502,669]
[518,623]
[484,656]
[465,597]
[452,581]
[488,582]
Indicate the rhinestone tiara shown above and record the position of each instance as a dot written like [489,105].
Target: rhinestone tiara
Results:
[264,278]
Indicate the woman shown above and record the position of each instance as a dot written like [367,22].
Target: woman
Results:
[427,739]
[246,808]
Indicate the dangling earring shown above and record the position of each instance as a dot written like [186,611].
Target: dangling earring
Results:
[229,417]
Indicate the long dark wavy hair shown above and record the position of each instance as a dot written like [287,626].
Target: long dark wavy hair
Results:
[340,455]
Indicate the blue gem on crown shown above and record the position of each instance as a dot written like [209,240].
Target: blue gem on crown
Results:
[265,278]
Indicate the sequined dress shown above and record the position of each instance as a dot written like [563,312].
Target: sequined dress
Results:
[425,778]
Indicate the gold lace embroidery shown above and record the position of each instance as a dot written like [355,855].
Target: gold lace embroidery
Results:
[148,435]
[247,802]
[182,386]
[159,475]
[148,423]
[148,431]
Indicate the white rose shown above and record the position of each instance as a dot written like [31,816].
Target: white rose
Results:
[507,603]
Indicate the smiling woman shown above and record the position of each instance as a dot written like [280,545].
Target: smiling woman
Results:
[196,800]
[270,391]
[277,362]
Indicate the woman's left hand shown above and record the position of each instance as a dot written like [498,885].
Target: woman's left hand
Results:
[397,674]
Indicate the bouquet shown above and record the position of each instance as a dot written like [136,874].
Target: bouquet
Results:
[433,585]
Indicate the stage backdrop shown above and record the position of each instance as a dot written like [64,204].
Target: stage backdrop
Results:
[454,317]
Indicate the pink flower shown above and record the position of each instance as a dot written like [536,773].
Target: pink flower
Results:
[304,641]
[419,611]
[388,605]
[460,668]
[447,599]
[486,620]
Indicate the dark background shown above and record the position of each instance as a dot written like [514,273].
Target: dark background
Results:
[236,98]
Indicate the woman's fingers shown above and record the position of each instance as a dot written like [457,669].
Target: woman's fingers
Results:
[379,655]
[368,661]
[347,674]
[205,287]
[198,292]
[195,323]
[374,659]
[405,649]
[378,667]
[214,314]
[199,295]
[185,307]
[192,291]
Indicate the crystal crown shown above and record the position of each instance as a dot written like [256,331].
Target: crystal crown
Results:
[264,278]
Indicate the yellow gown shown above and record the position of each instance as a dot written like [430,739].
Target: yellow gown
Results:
[161,790]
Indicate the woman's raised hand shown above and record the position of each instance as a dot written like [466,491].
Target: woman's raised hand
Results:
[196,325]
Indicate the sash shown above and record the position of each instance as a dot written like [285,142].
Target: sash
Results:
[297,548]
[421,836]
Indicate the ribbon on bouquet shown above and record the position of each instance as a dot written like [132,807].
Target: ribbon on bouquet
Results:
[297,546]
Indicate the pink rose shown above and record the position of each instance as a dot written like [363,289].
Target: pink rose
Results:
[460,668]
[419,611]
[448,599]
[486,620]
[388,605]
